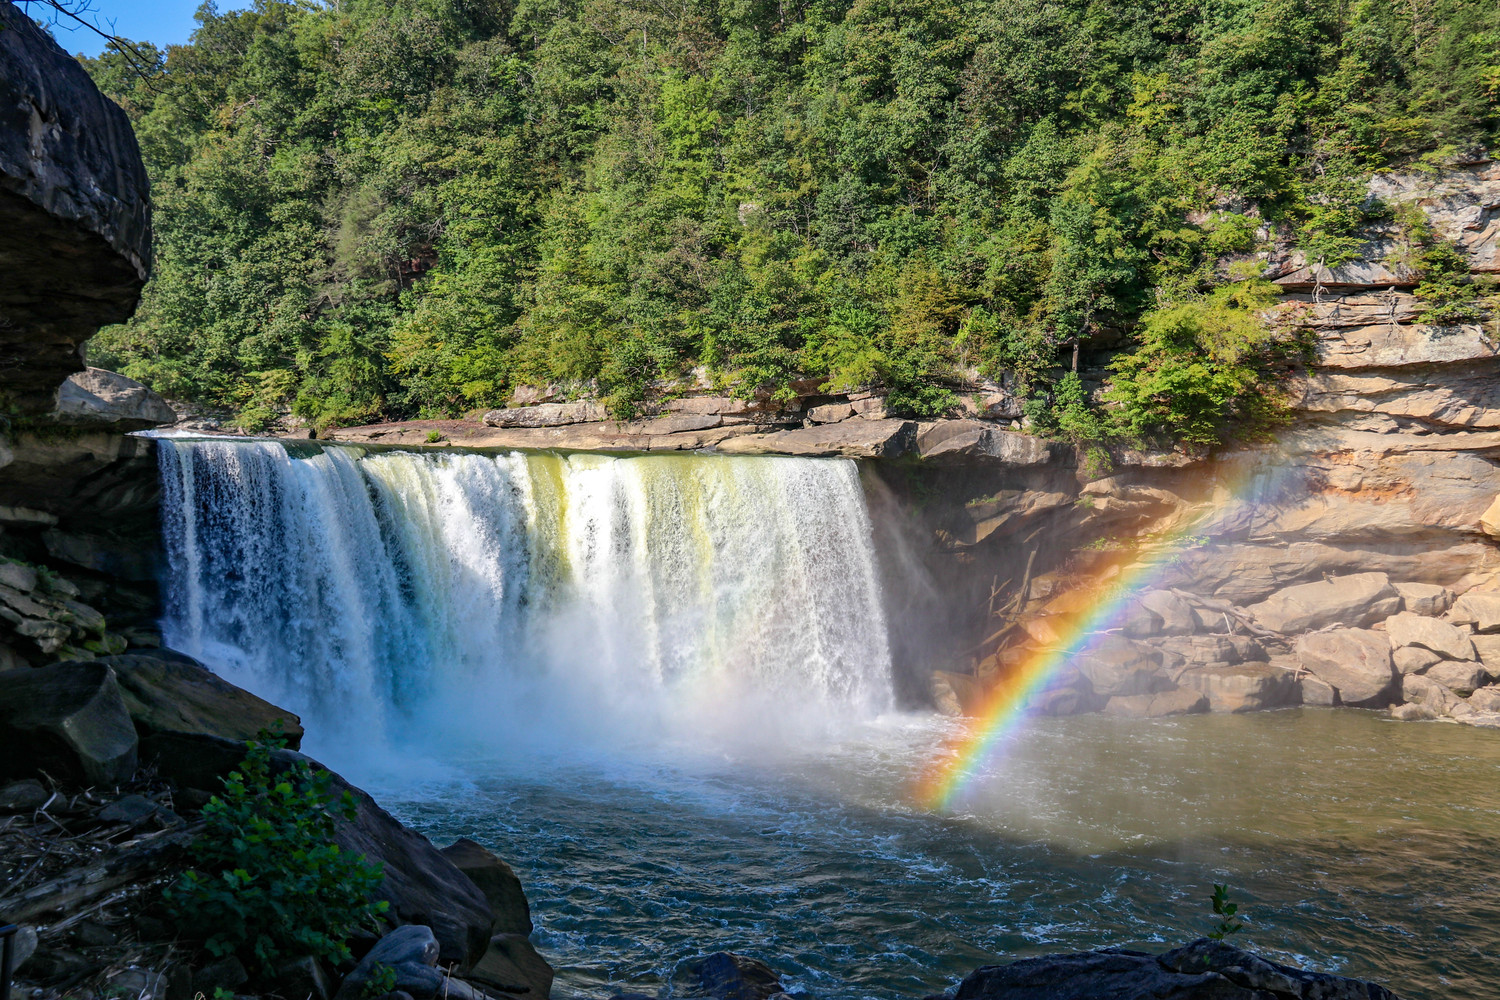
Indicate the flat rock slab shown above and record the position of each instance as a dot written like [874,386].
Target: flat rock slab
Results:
[1203,970]
[850,439]
[981,440]
[1356,600]
[179,695]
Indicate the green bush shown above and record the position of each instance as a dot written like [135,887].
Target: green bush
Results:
[268,883]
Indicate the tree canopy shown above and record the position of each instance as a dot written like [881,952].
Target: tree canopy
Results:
[385,208]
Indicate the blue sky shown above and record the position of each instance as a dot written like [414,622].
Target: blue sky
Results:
[164,22]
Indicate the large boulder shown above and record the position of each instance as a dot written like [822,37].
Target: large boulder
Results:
[512,965]
[1243,687]
[1461,677]
[849,439]
[1480,610]
[1203,970]
[96,396]
[727,976]
[498,883]
[970,440]
[166,692]
[547,415]
[1423,691]
[1424,598]
[1176,614]
[1116,666]
[1357,662]
[410,954]
[1357,600]
[1448,641]
[68,720]
[420,884]
[75,218]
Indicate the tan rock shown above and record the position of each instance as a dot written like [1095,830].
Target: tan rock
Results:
[1318,693]
[849,439]
[830,413]
[1413,712]
[1449,641]
[1488,649]
[1486,699]
[1489,521]
[1182,701]
[1356,662]
[976,439]
[546,415]
[1387,346]
[1176,614]
[1356,600]
[1463,677]
[1424,598]
[1118,666]
[1480,610]
[1420,690]
[1413,659]
[1243,687]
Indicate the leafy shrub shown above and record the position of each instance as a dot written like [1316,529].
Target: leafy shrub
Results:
[268,883]
[1204,369]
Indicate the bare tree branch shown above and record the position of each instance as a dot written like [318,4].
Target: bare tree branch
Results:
[82,12]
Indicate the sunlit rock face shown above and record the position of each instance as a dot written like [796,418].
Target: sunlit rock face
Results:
[75,217]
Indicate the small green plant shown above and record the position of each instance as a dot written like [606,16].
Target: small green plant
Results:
[382,980]
[1226,911]
[268,882]
[433,437]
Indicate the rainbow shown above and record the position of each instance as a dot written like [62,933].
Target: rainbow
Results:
[1005,704]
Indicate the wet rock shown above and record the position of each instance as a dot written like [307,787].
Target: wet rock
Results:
[511,965]
[68,720]
[17,576]
[411,952]
[1183,701]
[955,694]
[170,693]
[1413,712]
[1461,677]
[1243,687]
[1413,659]
[23,796]
[727,976]
[225,974]
[1357,662]
[1118,666]
[96,396]
[1203,970]
[498,883]
[1424,598]
[1357,600]
[1449,641]
[1480,610]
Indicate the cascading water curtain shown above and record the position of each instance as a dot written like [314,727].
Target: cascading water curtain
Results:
[355,585]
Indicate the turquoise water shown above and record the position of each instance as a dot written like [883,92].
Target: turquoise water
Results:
[1354,845]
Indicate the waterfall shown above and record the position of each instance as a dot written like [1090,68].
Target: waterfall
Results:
[363,587]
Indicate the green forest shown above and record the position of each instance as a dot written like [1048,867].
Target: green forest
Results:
[378,209]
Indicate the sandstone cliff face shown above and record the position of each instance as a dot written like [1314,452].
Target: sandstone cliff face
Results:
[75,219]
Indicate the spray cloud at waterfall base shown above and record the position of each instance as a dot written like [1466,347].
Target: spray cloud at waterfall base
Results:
[418,599]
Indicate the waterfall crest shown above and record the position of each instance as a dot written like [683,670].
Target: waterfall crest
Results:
[360,586]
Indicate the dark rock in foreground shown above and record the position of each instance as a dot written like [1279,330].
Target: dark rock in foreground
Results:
[727,976]
[1203,970]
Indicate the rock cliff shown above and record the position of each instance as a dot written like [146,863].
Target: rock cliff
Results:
[75,216]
